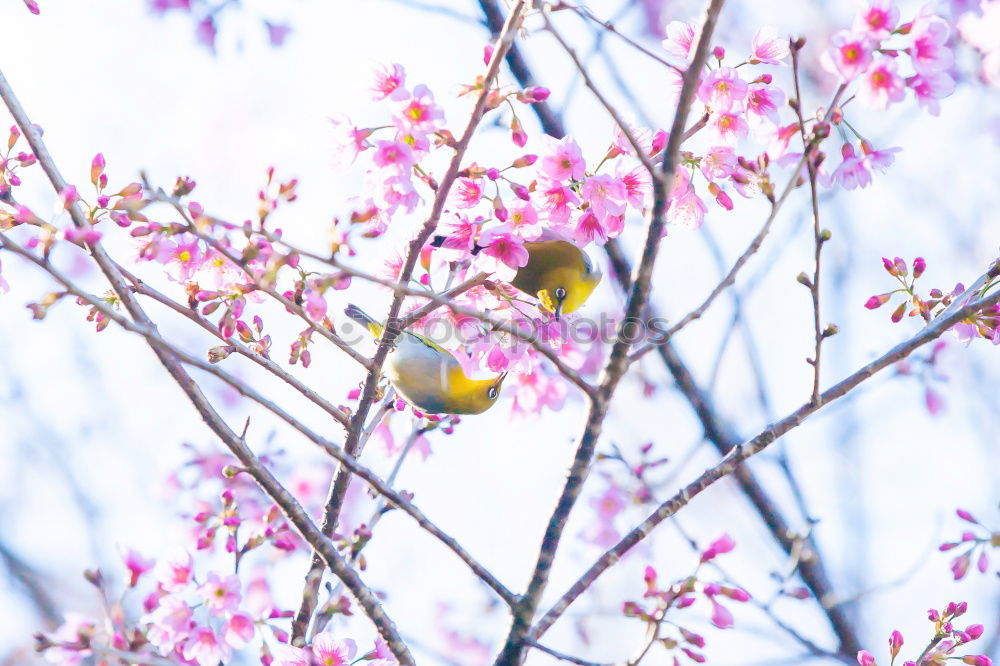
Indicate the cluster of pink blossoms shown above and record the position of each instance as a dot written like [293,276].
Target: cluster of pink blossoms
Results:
[947,638]
[680,595]
[203,619]
[983,324]
[977,540]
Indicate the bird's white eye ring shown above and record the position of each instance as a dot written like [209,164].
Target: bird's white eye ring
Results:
[560,293]
[492,393]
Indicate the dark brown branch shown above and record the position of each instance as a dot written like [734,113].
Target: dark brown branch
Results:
[338,487]
[512,652]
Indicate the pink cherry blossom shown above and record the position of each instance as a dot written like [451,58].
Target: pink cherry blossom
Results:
[680,40]
[853,171]
[289,655]
[238,630]
[880,85]
[466,193]
[877,20]
[535,390]
[220,594]
[687,211]
[763,102]
[929,88]
[174,572]
[524,220]
[718,162]
[135,563]
[564,160]
[881,159]
[590,229]
[395,156]
[460,239]
[727,127]
[204,648]
[849,55]
[169,623]
[558,201]
[348,141]
[330,651]
[767,48]
[390,82]
[606,195]
[420,113]
[638,185]
[723,89]
[930,52]
[506,250]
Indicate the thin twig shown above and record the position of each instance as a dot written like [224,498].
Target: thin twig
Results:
[561,655]
[819,238]
[610,27]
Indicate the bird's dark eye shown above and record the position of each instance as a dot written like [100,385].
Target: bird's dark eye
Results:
[560,293]
[492,393]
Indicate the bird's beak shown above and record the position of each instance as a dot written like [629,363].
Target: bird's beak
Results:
[558,311]
[502,377]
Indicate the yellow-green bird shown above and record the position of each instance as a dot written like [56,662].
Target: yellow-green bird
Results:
[428,376]
[558,272]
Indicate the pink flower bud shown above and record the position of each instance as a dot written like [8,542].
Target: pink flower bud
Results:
[539,93]
[719,53]
[895,642]
[32,6]
[889,266]
[933,615]
[983,563]
[897,314]
[693,656]
[974,631]
[960,566]
[659,142]
[900,266]
[487,53]
[520,191]
[977,660]
[517,133]
[493,173]
[866,658]
[919,265]
[96,168]
[966,516]
[877,301]
[69,196]
[525,160]
[692,638]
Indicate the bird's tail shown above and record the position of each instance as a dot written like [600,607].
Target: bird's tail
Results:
[439,241]
[358,315]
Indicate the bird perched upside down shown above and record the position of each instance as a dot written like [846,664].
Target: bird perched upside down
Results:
[428,376]
[558,272]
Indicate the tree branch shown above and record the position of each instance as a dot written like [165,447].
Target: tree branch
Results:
[338,487]
[961,309]
[513,649]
